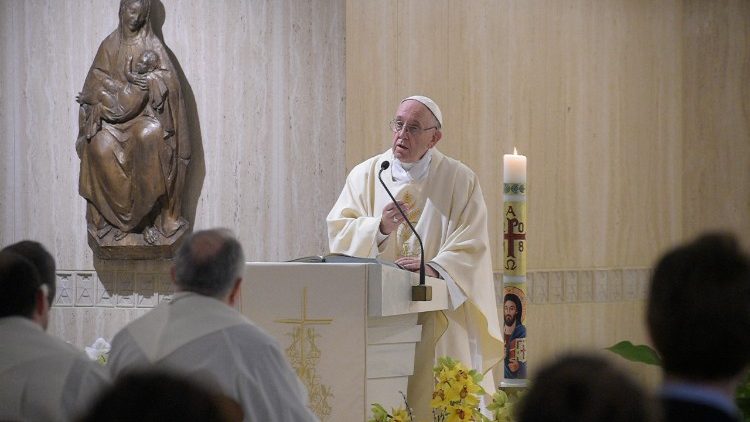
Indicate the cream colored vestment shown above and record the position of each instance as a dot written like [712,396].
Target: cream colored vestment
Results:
[449,212]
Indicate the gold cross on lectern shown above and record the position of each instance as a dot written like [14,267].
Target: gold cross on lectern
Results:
[304,321]
[299,339]
[304,359]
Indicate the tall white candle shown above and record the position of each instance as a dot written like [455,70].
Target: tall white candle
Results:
[514,168]
[515,295]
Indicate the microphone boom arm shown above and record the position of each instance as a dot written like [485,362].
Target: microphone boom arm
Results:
[421,292]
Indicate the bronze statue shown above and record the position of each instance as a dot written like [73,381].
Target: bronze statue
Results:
[133,142]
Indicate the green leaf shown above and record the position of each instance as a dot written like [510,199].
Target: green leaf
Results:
[379,413]
[640,353]
[742,398]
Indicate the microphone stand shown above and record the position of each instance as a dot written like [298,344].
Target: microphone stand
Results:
[421,292]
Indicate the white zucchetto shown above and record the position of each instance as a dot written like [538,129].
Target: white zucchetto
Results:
[430,105]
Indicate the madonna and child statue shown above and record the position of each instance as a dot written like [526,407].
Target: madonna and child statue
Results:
[133,143]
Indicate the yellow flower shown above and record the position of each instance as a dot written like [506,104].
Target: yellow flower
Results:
[467,395]
[457,391]
[447,375]
[439,399]
[400,415]
[460,413]
[462,374]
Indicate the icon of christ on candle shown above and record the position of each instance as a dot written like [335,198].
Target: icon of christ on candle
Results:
[514,333]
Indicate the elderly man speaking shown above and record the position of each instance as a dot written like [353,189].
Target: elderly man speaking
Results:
[442,198]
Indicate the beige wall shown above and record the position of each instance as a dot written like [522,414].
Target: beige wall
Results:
[634,116]
[716,110]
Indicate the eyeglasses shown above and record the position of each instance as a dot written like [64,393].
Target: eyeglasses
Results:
[397,126]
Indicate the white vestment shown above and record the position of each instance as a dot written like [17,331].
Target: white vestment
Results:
[448,211]
[205,339]
[43,378]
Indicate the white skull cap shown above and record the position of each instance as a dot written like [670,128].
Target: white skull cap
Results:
[429,104]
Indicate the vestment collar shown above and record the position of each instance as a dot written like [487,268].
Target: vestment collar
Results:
[411,172]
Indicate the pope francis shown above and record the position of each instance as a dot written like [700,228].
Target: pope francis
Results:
[442,198]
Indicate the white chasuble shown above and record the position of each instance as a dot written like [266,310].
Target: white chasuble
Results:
[207,340]
[448,211]
[43,378]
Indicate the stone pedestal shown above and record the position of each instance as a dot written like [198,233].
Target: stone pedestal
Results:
[134,246]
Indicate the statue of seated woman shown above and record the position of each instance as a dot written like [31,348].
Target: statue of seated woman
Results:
[133,136]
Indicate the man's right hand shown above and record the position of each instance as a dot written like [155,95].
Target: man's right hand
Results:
[391,218]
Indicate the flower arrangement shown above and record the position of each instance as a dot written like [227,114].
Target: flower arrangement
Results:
[456,398]
[99,351]
[457,390]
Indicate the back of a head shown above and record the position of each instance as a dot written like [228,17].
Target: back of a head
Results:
[209,262]
[585,388]
[42,260]
[699,309]
[157,396]
[19,283]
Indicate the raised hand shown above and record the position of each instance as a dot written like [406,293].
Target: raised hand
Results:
[391,218]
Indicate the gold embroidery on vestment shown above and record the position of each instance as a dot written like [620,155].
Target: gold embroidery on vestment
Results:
[405,247]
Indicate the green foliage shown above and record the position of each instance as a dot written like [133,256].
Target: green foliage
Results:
[503,403]
[640,353]
[378,413]
[743,398]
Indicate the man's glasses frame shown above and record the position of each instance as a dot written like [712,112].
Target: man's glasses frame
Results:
[413,130]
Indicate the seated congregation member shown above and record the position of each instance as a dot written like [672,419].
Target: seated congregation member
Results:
[583,387]
[699,320]
[200,334]
[159,396]
[41,377]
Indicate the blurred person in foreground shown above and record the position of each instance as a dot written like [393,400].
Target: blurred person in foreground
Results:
[159,396]
[699,320]
[584,387]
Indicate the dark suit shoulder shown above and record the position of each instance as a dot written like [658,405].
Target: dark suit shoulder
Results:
[686,411]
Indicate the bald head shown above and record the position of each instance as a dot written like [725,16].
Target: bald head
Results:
[209,263]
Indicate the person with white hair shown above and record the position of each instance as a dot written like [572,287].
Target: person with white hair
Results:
[199,334]
[442,198]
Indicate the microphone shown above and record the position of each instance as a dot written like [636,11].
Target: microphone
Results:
[422,292]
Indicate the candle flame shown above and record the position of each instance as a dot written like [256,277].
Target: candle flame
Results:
[514,151]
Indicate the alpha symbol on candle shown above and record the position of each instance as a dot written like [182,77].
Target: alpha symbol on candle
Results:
[511,236]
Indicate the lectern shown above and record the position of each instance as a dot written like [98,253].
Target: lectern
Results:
[349,329]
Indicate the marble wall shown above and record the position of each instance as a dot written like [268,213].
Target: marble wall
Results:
[265,94]
[262,83]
